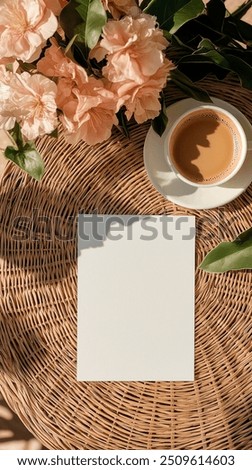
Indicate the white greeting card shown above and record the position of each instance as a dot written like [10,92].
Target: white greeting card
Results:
[135,298]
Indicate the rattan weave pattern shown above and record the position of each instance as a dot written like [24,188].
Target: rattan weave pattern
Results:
[38,307]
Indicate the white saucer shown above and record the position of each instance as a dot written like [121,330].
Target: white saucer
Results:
[171,187]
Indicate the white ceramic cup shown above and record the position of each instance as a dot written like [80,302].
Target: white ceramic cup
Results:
[219,116]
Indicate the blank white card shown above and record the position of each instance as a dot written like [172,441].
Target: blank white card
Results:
[135,298]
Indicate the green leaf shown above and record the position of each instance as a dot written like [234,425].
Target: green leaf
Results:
[230,255]
[85,18]
[186,85]
[208,52]
[191,10]
[160,122]
[17,135]
[28,159]
[94,18]
[173,13]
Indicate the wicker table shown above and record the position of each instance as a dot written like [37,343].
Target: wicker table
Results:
[38,307]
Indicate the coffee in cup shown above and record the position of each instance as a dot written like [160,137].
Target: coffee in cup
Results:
[206,146]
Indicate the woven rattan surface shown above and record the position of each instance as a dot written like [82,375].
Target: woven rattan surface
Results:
[38,307]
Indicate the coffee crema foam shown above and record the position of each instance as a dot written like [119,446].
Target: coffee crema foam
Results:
[205,147]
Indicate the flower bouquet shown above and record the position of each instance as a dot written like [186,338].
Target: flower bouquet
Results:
[89,65]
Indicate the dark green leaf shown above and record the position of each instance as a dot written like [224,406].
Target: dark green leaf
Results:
[17,135]
[199,28]
[208,52]
[177,42]
[123,122]
[167,35]
[28,159]
[238,30]
[216,12]
[85,18]
[206,29]
[198,70]
[230,255]
[245,30]
[69,19]
[80,54]
[160,122]
[70,44]
[144,4]
[55,133]
[24,67]
[243,70]
[163,10]
[186,85]
[242,53]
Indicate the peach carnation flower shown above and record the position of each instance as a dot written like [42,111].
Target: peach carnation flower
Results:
[29,100]
[118,8]
[56,64]
[88,107]
[70,75]
[7,107]
[91,115]
[133,48]
[136,64]
[142,101]
[25,25]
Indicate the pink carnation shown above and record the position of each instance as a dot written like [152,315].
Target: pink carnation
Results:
[91,115]
[25,26]
[133,48]
[29,100]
